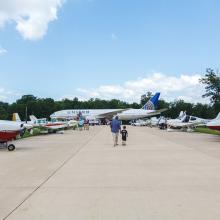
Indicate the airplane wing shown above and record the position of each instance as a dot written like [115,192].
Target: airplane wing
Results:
[109,115]
[156,112]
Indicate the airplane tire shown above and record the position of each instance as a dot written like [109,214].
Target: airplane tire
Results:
[11,147]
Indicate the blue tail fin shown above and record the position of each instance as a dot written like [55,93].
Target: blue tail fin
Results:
[152,103]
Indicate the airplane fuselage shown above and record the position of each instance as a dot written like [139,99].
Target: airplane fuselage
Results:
[87,113]
[9,130]
[214,125]
[130,114]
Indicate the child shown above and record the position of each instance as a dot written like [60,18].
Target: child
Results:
[124,135]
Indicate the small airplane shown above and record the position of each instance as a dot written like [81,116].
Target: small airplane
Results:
[185,121]
[154,122]
[215,123]
[50,126]
[140,123]
[16,118]
[148,110]
[9,130]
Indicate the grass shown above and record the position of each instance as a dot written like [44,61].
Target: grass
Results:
[206,130]
[36,131]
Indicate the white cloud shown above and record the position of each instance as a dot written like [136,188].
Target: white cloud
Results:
[8,96]
[31,16]
[2,50]
[186,87]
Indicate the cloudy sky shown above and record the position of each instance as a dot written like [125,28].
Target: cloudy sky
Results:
[107,48]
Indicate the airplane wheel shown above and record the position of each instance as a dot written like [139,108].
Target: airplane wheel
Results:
[11,147]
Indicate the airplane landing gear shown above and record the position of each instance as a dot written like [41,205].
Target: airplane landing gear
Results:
[11,147]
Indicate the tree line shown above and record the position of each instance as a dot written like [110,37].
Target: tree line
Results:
[44,107]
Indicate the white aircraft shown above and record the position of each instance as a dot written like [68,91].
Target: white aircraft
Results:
[148,110]
[16,118]
[215,123]
[185,121]
[160,122]
[140,123]
[9,130]
[154,121]
[53,125]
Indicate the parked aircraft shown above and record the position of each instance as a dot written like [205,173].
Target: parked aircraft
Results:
[9,130]
[148,110]
[53,125]
[185,121]
[140,122]
[154,121]
[215,123]
[16,118]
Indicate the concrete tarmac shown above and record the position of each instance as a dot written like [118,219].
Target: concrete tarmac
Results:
[159,175]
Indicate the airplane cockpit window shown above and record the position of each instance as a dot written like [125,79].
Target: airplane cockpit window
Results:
[186,118]
[192,119]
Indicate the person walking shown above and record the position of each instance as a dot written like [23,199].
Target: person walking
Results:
[115,129]
[124,135]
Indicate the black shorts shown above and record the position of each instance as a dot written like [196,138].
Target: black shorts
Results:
[124,138]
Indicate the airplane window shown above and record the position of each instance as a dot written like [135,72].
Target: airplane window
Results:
[187,119]
[193,119]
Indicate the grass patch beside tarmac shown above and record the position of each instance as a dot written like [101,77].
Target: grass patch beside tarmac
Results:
[36,131]
[206,130]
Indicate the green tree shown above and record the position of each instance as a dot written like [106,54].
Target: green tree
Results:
[3,113]
[212,82]
[145,98]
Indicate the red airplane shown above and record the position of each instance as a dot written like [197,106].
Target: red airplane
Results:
[8,132]
[215,123]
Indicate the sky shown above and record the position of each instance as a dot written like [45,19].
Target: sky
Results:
[107,48]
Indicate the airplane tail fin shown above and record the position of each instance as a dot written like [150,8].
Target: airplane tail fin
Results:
[218,116]
[33,118]
[16,117]
[152,103]
[182,114]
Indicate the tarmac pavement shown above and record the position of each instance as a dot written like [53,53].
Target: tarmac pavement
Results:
[159,175]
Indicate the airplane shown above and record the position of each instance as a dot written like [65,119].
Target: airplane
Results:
[148,110]
[16,118]
[140,122]
[50,126]
[153,121]
[185,121]
[215,123]
[9,130]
